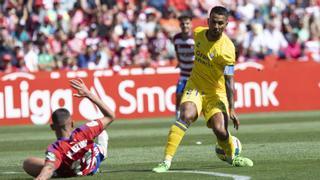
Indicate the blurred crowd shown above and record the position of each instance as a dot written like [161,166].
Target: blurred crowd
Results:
[45,35]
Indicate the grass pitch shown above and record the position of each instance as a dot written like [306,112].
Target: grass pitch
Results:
[282,146]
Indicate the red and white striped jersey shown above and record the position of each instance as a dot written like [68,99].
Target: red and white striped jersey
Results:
[75,156]
[184,48]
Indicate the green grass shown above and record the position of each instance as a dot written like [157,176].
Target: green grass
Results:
[282,146]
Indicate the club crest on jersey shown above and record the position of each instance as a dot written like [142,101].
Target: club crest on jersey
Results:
[211,55]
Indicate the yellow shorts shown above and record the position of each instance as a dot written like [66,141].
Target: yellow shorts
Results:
[208,104]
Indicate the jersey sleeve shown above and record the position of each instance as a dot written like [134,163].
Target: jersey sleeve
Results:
[228,54]
[88,131]
[53,156]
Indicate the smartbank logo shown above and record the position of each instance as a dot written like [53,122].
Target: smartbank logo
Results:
[135,101]
[88,110]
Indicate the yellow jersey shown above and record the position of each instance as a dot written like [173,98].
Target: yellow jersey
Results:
[211,57]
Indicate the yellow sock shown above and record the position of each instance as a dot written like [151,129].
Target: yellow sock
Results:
[175,136]
[228,147]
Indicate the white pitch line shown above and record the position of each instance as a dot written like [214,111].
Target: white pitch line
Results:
[11,172]
[234,176]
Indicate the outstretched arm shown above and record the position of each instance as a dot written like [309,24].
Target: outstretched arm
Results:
[229,83]
[83,91]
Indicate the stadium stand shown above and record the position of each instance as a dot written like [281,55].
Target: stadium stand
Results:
[43,35]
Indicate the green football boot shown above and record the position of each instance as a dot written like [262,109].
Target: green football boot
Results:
[162,167]
[239,161]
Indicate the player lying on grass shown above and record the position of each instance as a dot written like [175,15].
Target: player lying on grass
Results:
[209,90]
[74,153]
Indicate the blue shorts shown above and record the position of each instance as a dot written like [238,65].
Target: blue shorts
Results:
[99,158]
[181,85]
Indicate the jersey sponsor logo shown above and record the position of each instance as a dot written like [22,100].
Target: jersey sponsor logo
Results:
[198,45]
[204,62]
[203,59]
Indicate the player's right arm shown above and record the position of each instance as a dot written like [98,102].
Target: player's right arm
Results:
[52,162]
[47,171]
[83,91]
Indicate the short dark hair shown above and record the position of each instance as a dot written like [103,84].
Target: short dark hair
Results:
[184,16]
[220,10]
[60,116]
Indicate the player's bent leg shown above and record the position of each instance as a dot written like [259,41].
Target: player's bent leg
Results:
[177,131]
[33,166]
[102,141]
[219,123]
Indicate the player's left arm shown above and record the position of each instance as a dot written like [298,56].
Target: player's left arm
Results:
[229,83]
[47,171]
[229,57]
[83,91]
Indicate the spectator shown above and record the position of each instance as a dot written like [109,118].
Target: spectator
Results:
[45,60]
[254,44]
[312,48]
[85,58]
[246,11]
[160,5]
[6,65]
[178,6]
[142,57]
[274,39]
[31,57]
[46,28]
[293,50]
[21,66]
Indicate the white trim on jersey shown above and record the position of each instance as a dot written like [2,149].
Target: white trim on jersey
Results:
[186,58]
[186,66]
[180,41]
[185,50]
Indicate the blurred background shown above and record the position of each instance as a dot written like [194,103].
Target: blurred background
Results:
[46,35]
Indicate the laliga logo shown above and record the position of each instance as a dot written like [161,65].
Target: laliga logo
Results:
[90,111]
[21,101]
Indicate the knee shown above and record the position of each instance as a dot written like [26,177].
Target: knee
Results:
[26,165]
[32,166]
[188,113]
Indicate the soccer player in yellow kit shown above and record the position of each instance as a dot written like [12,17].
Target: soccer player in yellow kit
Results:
[209,90]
